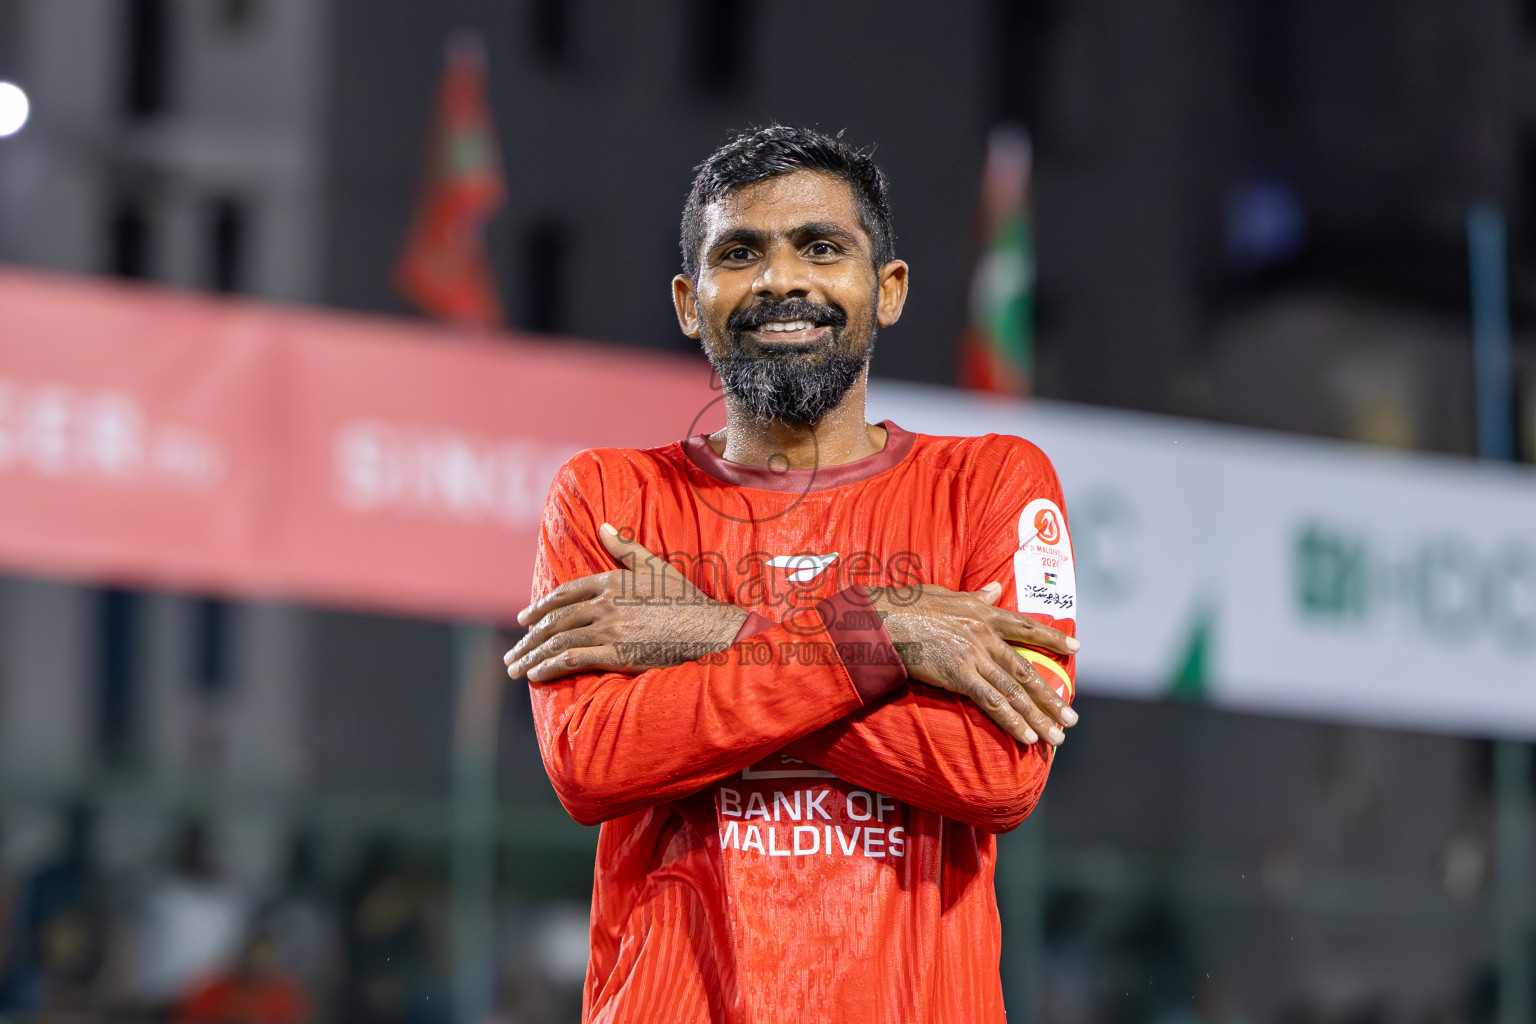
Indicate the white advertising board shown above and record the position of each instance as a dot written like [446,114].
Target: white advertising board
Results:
[1282,574]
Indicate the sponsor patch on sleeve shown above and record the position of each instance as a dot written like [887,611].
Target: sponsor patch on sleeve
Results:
[1043,574]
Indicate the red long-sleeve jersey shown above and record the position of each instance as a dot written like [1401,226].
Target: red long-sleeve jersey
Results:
[792,830]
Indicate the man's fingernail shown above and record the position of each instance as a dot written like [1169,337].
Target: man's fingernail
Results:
[608,530]
[506,659]
[522,617]
[1073,644]
[1069,716]
[1030,737]
[1055,736]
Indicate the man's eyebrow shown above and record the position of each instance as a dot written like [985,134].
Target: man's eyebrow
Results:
[740,236]
[825,229]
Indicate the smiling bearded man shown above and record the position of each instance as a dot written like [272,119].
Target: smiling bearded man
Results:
[803,722]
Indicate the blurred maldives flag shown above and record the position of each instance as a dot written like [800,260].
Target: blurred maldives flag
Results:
[997,346]
[445,269]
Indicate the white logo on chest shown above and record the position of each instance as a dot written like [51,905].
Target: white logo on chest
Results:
[803,567]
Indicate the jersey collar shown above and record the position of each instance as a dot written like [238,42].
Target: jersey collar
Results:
[898,443]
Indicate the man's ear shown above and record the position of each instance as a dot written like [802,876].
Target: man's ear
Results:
[893,293]
[685,299]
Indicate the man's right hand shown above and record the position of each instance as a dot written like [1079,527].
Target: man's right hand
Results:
[585,624]
[957,641]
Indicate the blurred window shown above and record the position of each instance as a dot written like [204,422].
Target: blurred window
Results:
[1022,32]
[226,226]
[116,626]
[1524,241]
[550,32]
[130,239]
[148,38]
[212,640]
[720,57]
[1480,754]
[545,252]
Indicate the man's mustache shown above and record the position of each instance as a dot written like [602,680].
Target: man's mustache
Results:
[758,314]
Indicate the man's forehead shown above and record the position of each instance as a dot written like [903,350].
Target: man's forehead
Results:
[784,203]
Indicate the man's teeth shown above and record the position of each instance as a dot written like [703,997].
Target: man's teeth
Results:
[790,325]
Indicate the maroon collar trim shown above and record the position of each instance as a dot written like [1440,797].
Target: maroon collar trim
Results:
[898,443]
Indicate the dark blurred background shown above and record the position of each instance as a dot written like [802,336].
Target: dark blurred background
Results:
[1251,212]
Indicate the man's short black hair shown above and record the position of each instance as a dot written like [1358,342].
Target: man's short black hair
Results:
[762,153]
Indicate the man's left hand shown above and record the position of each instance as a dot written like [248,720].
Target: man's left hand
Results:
[644,615]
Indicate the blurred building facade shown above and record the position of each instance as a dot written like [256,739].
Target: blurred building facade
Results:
[1249,212]
[1253,212]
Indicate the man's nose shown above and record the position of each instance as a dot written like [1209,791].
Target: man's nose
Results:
[783,275]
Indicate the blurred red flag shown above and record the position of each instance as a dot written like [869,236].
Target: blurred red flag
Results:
[444,269]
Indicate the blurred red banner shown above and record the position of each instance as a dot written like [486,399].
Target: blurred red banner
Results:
[161,439]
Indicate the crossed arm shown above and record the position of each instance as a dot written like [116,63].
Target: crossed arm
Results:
[618,736]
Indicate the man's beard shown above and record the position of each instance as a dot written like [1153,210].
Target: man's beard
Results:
[793,385]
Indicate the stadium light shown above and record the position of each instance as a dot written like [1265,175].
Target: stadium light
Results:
[14,108]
